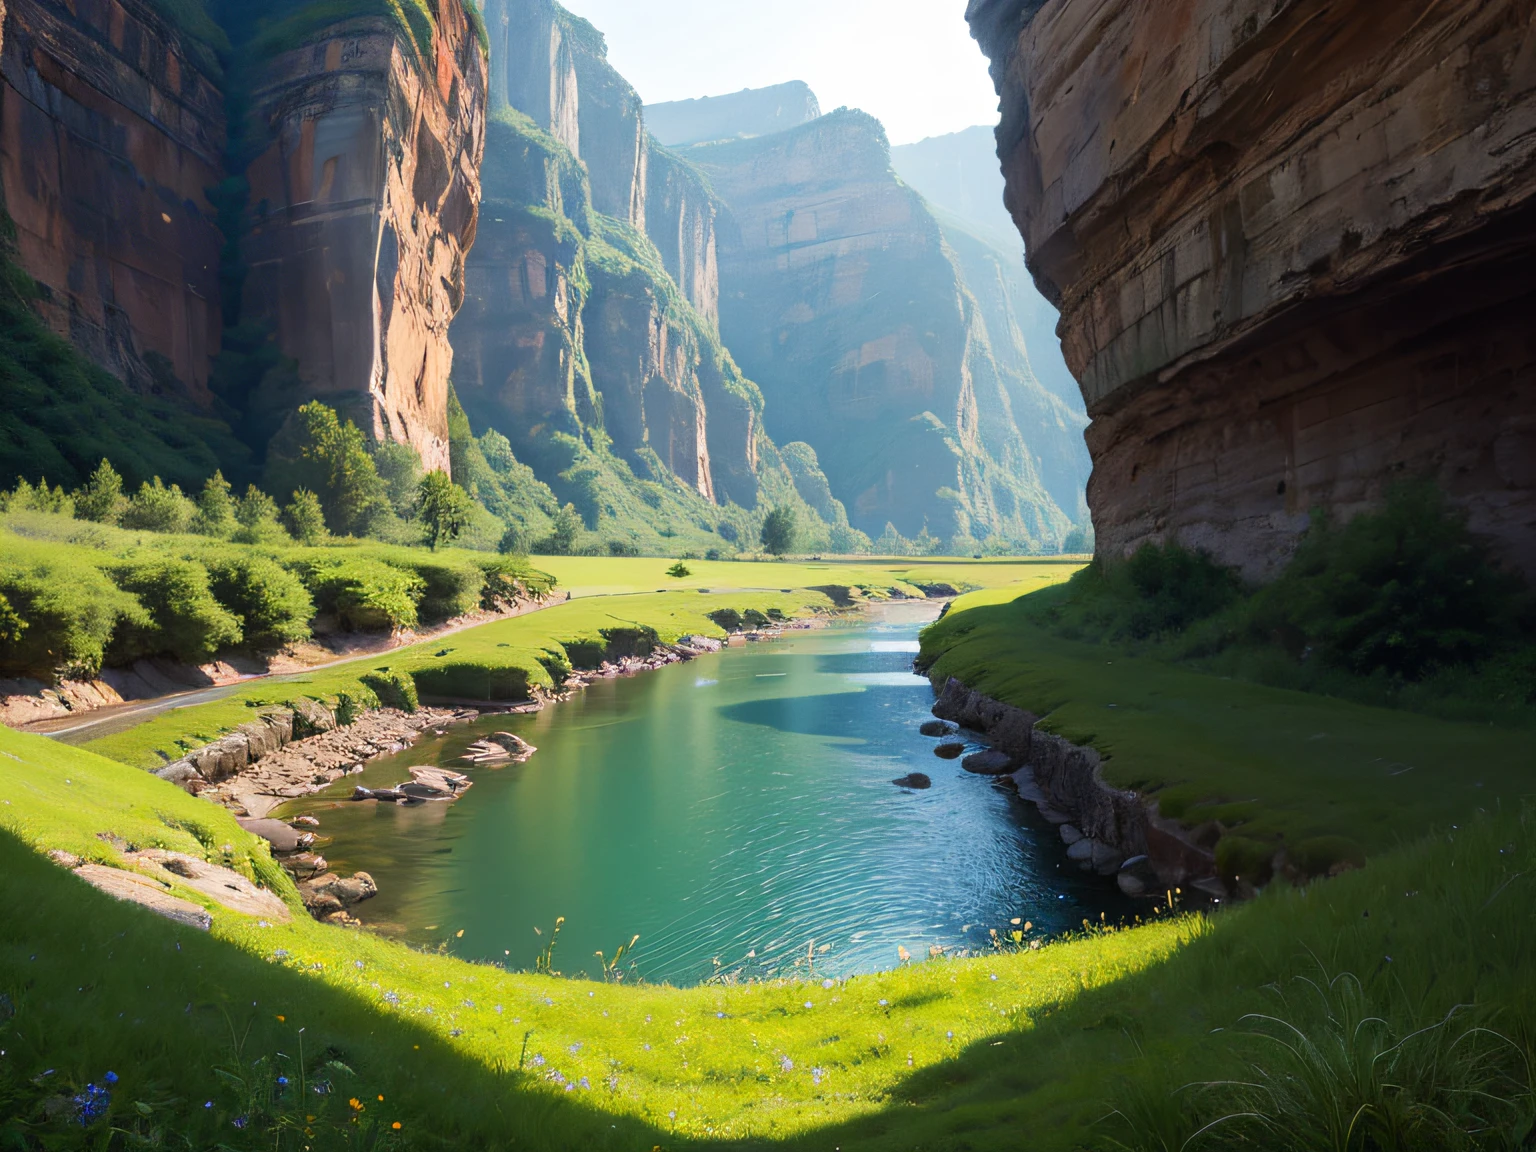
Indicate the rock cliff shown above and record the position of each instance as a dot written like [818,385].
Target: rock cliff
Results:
[111,131]
[1291,243]
[366,194]
[842,298]
[589,336]
[750,112]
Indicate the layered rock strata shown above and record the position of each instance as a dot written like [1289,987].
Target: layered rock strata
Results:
[1291,245]
[112,130]
[842,299]
[366,201]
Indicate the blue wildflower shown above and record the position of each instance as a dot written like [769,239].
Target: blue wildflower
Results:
[537,1061]
[586,1084]
[91,1105]
[240,1122]
[110,1078]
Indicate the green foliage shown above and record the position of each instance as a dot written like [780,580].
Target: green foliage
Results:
[564,533]
[11,625]
[256,515]
[443,508]
[395,689]
[679,571]
[360,593]
[1160,590]
[272,604]
[215,509]
[101,498]
[185,620]
[317,451]
[780,530]
[350,706]
[69,610]
[63,414]
[399,466]
[27,497]
[305,518]
[1404,591]
[157,508]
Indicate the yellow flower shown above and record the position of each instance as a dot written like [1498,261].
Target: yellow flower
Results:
[282,1019]
[396,1125]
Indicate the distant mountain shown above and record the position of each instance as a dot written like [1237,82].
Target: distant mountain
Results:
[750,112]
[961,179]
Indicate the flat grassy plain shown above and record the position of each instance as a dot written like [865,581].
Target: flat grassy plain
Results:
[1092,1042]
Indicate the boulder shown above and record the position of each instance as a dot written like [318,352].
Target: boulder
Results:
[952,750]
[310,717]
[1137,877]
[141,890]
[1069,834]
[1081,851]
[937,728]
[1106,859]
[306,865]
[282,838]
[221,885]
[989,763]
[913,780]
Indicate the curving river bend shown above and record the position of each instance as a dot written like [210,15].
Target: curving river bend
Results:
[736,809]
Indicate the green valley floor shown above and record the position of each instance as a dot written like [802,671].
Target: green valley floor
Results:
[284,1033]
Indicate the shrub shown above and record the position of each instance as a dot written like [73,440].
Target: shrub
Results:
[184,621]
[399,466]
[305,518]
[101,499]
[1403,591]
[452,583]
[11,625]
[273,606]
[156,508]
[317,452]
[350,706]
[780,530]
[215,508]
[466,680]
[67,611]
[394,689]
[679,571]
[505,582]
[727,618]
[26,498]
[256,514]
[564,534]
[364,595]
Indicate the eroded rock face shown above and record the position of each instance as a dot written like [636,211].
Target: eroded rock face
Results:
[842,299]
[111,130]
[1291,242]
[367,198]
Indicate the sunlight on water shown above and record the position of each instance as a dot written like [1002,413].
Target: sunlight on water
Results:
[740,809]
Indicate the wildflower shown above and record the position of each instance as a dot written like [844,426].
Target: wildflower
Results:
[240,1122]
[91,1105]
[110,1078]
[208,1105]
[672,1115]
[808,1004]
[358,964]
[884,1003]
[949,1035]
[282,1019]
[647,1047]
[456,1032]
[816,1075]
[280,954]
[355,1104]
[994,975]
[282,1081]
[586,1084]
[786,1064]
[391,997]
[575,1048]
[498,1009]
[469,1003]
[826,983]
[396,1125]
[537,1061]
[381,1099]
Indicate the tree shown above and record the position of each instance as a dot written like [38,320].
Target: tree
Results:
[156,508]
[317,452]
[779,530]
[679,571]
[443,508]
[563,537]
[215,508]
[256,515]
[101,499]
[399,466]
[305,517]
[514,541]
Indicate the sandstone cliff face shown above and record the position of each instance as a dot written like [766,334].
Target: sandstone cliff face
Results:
[366,199]
[1291,243]
[111,130]
[751,112]
[840,296]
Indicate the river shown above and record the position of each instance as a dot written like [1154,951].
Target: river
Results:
[736,812]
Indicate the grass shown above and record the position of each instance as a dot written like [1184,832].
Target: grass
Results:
[942,1055]
[1274,766]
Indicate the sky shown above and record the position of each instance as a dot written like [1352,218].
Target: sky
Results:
[912,63]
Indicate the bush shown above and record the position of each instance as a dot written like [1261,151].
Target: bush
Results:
[68,612]
[184,621]
[305,519]
[215,508]
[1161,590]
[505,582]
[101,499]
[473,681]
[256,514]
[394,689]
[156,508]
[350,706]
[452,583]
[364,595]
[1403,591]
[273,606]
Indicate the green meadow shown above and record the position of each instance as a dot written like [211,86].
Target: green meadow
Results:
[1388,1008]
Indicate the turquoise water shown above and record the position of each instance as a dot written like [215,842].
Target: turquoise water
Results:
[737,812]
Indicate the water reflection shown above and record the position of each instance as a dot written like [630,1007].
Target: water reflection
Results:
[737,809]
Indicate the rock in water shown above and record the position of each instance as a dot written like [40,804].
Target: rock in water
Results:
[938,728]
[913,780]
[282,838]
[989,763]
[950,751]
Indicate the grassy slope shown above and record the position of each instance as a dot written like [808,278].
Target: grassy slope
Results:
[1280,763]
[610,594]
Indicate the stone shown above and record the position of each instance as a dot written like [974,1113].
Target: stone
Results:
[916,780]
[1081,851]
[310,717]
[951,750]
[305,865]
[141,890]
[64,859]
[1105,859]
[1069,834]
[990,762]
[937,728]
[1137,877]
[221,885]
[283,838]
[1259,331]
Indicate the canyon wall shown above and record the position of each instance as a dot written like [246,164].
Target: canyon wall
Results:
[111,131]
[366,197]
[750,112]
[841,297]
[1291,243]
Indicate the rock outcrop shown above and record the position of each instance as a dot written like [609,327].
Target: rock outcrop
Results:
[1291,243]
[750,112]
[112,129]
[366,200]
[842,299]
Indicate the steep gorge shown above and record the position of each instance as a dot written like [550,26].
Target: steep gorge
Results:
[1291,243]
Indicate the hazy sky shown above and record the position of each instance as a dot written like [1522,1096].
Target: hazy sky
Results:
[912,63]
